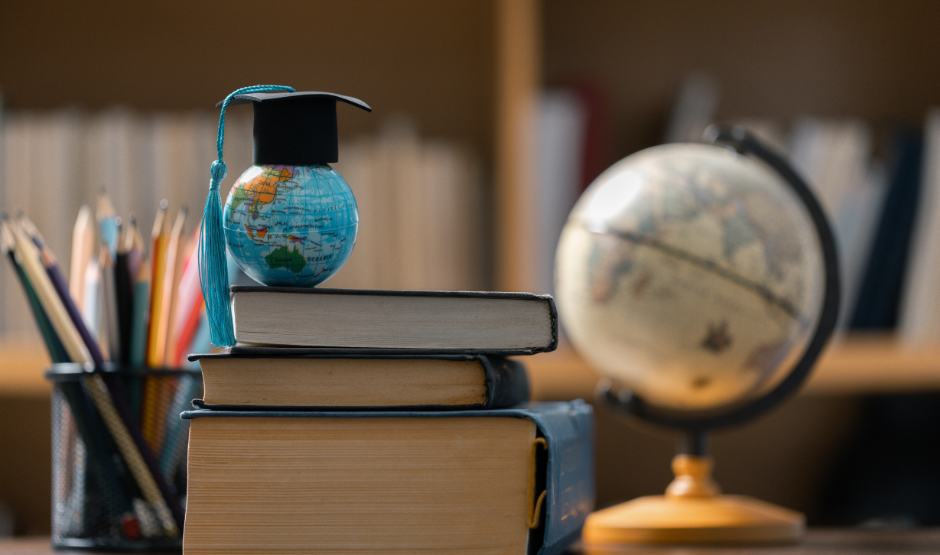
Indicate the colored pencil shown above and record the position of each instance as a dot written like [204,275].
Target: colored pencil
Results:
[124,293]
[83,245]
[53,345]
[91,307]
[141,316]
[171,279]
[189,303]
[134,247]
[51,266]
[109,310]
[107,222]
[159,237]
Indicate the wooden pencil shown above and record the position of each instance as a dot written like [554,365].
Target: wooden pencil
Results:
[160,237]
[109,316]
[141,316]
[171,279]
[189,302]
[107,222]
[124,293]
[53,345]
[51,266]
[134,247]
[83,245]
[150,398]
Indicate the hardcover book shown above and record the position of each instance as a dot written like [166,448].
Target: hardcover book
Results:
[513,481]
[323,379]
[411,321]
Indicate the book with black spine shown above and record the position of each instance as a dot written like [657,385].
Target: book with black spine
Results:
[257,378]
[417,322]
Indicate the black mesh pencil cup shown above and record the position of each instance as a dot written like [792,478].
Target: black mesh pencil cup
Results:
[119,456]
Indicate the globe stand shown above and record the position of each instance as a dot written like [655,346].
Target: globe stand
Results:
[693,511]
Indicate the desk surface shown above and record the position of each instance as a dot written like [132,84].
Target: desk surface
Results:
[817,542]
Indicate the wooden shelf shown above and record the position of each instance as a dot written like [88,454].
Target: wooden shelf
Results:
[854,365]
[22,364]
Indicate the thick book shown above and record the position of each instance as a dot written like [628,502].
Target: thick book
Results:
[329,379]
[513,481]
[411,321]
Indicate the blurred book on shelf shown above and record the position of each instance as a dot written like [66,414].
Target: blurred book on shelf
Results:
[919,320]
[878,300]
[421,212]
[835,157]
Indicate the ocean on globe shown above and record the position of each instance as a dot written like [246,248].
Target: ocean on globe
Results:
[292,226]
[691,274]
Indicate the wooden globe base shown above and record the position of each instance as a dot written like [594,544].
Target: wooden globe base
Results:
[693,512]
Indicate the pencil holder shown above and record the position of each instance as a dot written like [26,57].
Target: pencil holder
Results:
[119,456]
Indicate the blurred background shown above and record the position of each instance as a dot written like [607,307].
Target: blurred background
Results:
[490,117]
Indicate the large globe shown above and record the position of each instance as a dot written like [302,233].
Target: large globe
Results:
[691,274]
[290,225]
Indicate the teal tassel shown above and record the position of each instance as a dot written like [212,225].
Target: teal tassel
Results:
[213,269]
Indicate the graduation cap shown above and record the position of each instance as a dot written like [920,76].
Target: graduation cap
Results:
[295,128]
[291,128]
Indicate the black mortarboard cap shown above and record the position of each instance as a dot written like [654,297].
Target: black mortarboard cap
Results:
[295,128]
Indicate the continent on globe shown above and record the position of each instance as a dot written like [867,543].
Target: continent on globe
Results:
[258,233]
[261,190]
[284,257]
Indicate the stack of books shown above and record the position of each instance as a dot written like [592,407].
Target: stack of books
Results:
[352,421]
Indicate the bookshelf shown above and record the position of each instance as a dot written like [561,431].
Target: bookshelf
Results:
[471,71]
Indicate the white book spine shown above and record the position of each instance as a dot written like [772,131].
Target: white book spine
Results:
[919,323]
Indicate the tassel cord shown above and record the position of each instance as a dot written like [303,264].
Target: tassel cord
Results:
[213,269]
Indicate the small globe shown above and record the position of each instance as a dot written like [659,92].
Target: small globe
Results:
[691,274]
[290,226]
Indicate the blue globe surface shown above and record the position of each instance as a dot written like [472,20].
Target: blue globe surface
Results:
[290,226]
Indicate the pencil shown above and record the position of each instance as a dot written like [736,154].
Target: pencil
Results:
[109,315]
[189,302]
[139,321]
[51,266]
[83,244]
[107,223]
[140,317]
[171,279]
[91,307]
[150,398]
[159,236]
[28,258]
[134,247]
[124,294]
[53,345]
